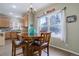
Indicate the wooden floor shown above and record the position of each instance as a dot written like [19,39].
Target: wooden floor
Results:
[6,51]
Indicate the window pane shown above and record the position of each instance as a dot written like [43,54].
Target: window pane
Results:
[55,25]
[43,24]
[54,19]
[43,21]
[55,29]
[44,29]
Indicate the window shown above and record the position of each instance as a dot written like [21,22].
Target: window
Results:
[53,23]
[15,25]
[43,24]
[56,24]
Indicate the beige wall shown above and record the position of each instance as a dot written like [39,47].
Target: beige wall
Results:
[72,29]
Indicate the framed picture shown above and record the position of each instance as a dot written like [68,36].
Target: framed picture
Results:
[71,19]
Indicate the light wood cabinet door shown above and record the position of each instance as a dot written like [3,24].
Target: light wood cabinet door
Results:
[25,23]
[25,20]
[4,22]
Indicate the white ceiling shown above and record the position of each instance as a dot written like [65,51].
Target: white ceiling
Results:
[21,8]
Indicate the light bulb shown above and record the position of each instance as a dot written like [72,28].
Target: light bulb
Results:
[14,6]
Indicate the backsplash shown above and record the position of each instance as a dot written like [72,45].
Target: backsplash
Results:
[4,29]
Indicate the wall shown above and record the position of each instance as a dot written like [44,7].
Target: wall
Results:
[72,29]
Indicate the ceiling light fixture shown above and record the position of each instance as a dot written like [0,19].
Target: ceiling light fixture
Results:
[14,6]
[11,13]
[17,16]
[31,9]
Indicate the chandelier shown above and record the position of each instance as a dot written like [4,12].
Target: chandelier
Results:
[31,9]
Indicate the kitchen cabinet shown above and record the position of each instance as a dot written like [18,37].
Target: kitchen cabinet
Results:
[2,38]
[7,35]
[25,23]
[4,22]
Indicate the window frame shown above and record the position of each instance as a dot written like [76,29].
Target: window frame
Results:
[49,25]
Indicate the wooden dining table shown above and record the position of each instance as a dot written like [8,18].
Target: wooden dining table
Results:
[29,40]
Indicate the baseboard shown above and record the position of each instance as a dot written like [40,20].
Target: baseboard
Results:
[65,50]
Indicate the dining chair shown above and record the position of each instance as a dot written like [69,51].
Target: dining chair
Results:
[24,35]
[41,43]
[17,43]
[46,41]
[36,46]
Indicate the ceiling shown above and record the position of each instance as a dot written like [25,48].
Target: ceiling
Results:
[18,9]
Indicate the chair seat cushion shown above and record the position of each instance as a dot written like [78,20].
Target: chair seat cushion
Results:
[37,43]
[44,44]
[18,42]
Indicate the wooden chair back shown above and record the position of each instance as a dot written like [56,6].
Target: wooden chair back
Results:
[46,36]
[24,35]
[14,37]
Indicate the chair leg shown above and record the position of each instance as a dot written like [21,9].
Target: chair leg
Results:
[48,51]
[14,51]
[24,51]
[40,52]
